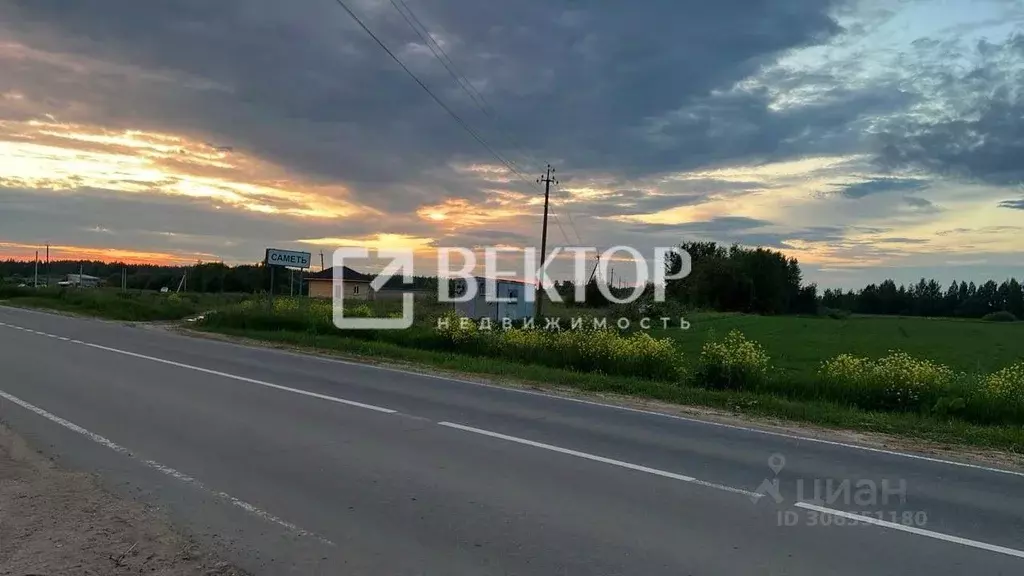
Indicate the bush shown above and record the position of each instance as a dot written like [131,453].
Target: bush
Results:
[839,314]
[607,351]
[1001,316]
[732,363]
[14,291]
[647,307]
[587,350]
[1006,385]
[895,382]
[833,313]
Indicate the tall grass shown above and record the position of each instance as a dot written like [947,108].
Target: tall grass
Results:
[896,382]
[118,305]
[600,351]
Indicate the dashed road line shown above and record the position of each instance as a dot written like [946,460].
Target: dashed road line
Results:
[913,530]
[167,470]
[602,459]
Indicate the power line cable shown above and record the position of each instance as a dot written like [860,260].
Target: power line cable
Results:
[465,126]
[421,30]
[409,15]
[559,224]
[573,226]
[426,89]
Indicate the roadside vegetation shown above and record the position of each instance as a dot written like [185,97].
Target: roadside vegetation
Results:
[876,385]
[132,305]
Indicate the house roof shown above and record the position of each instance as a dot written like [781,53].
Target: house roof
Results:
[504,280]
[348,274]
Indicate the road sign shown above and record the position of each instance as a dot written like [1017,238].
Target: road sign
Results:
[288,258]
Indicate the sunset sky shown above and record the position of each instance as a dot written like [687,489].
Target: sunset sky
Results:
[870,139]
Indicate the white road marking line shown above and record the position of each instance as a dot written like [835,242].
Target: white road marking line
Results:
[914,530]
[241,378]
[602,459]
[638,411]
[181,476]
[747,429]
[237,377]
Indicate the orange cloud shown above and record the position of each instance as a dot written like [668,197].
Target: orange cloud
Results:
[459,213]
[378,242]
[17,251]
[58,156]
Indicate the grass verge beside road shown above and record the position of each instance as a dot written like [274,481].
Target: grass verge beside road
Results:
[111,304]
[944,431]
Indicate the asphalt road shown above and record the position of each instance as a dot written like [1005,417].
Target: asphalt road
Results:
[299,465]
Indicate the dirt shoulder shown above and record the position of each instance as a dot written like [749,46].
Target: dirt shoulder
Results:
[53,521]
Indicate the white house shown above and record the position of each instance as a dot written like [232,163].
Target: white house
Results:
[520,296]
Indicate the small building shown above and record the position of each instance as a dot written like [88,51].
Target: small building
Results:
[398,293]
[520,295]
[80,280]
[323,285]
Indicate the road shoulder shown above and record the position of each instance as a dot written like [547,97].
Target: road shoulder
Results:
[54,521]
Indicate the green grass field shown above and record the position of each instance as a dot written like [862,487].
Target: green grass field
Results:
[113,304]
[798,345]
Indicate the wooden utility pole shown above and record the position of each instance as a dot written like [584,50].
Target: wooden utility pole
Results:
[547,180]
[35,281]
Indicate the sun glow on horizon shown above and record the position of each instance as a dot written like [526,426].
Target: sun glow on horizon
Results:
[49,155]
[27,252]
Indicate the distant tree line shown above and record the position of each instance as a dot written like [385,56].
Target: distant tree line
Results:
[728,279]
[928,298]
[733,279]
[199,277]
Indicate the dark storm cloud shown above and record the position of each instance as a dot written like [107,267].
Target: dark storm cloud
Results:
[780,239]
[743,230]
[713,226]
[486,238]
[628,202]
[902,240]
[669,195]
[739,126]
[918,202]
[881,185]
[298,82]
[983,136]
[1000,230]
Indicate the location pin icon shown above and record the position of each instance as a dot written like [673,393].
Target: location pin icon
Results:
[776,462]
